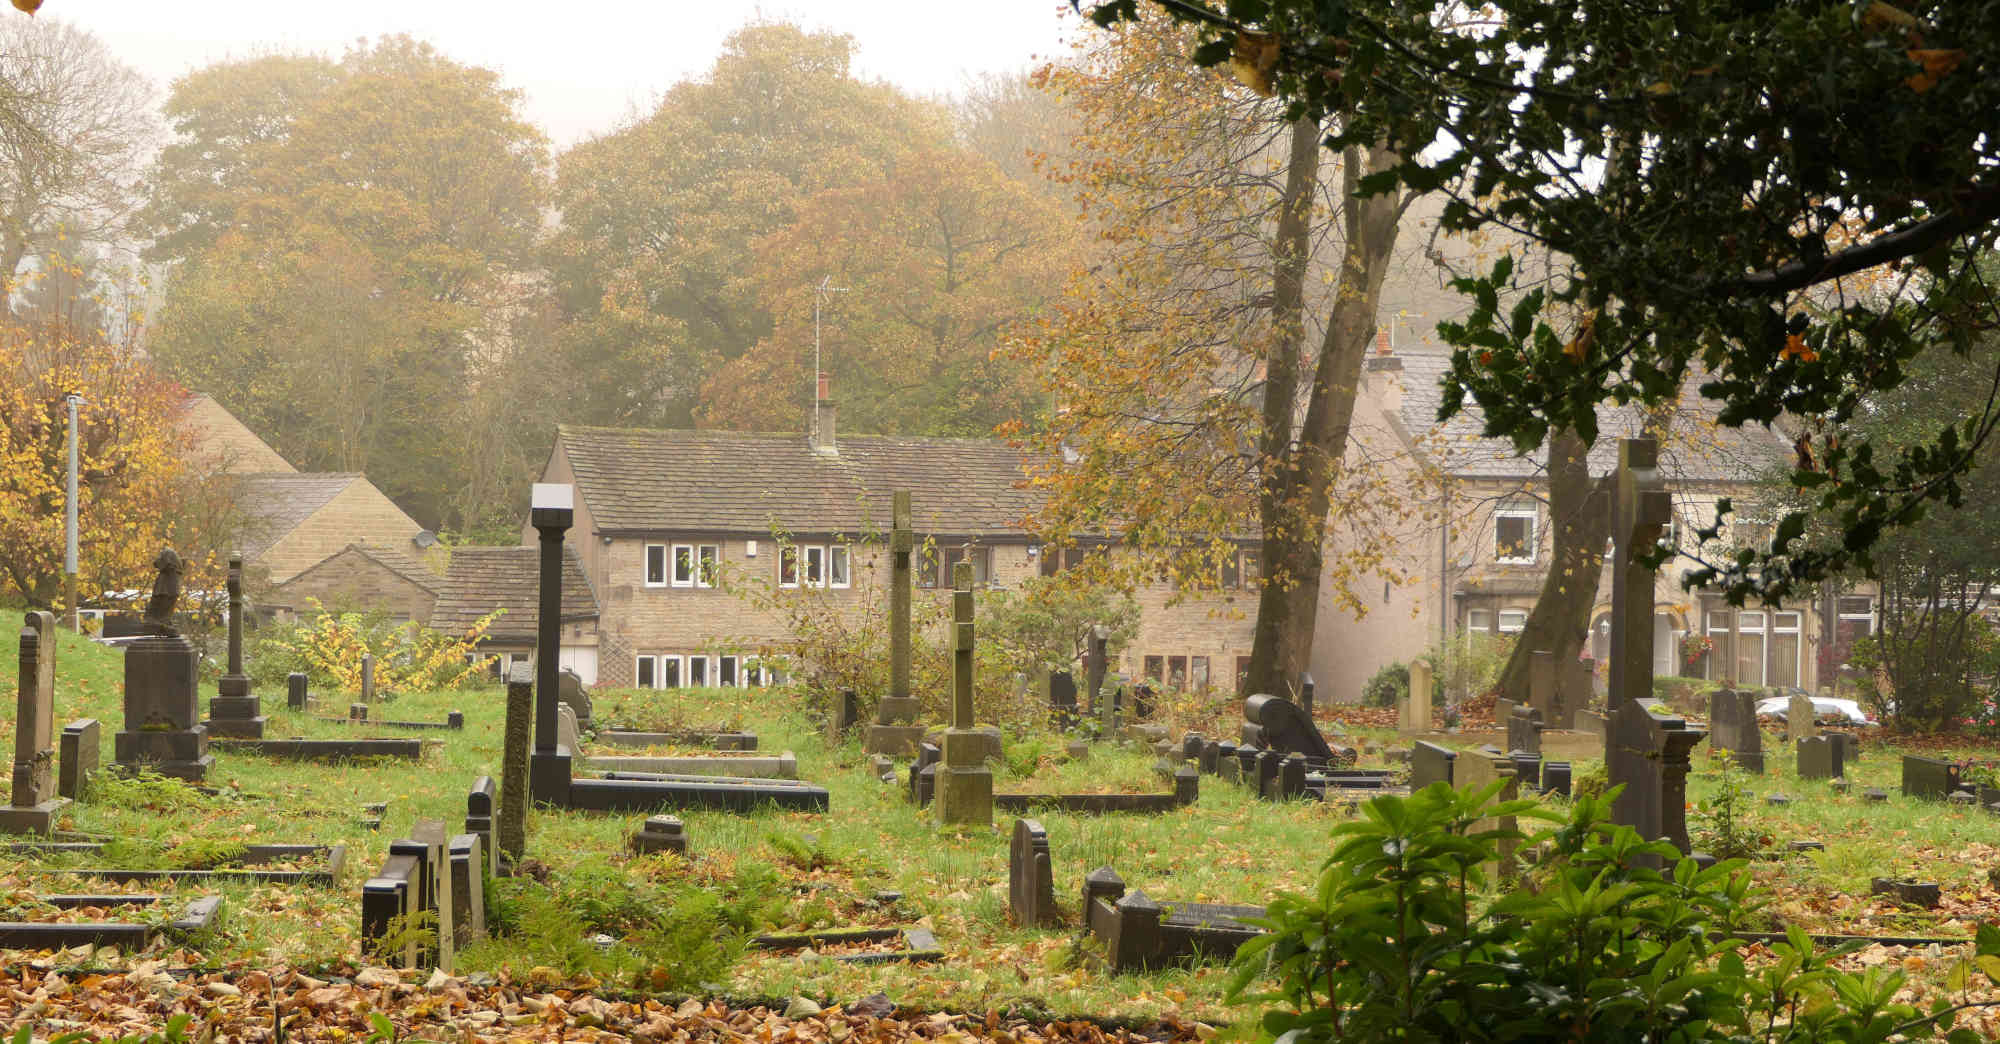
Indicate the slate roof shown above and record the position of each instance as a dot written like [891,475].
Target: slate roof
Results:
[482,579]
[402,563]
[275,502]
[1691,454]
[647,480]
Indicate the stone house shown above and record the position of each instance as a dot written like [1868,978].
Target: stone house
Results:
[672,527]
[480,580]
[1477,556]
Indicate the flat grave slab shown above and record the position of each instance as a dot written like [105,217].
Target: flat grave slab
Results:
[1187,784]
[911,945]
[614,794]
[780,766]
[36,935]
[324,749]
[329,859]
[717,739]
[453,721]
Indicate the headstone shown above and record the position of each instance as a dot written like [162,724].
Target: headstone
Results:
[235,711]
[1732,717]
[1062,700]
[468,888]
[1430,763]
[515,766]
[1648,752]
[661,834]
[1928,777]
[1142,701]
[1292,777]
[1276,723]
[1799,722]
[357,712]
[1819,758]
[1031,885]
[1556,776]
[1574,681]
[33,804]
[566,731]
[1502,708]
[479,810]
[964,783]
[79,759]
[928,754]
[162,697]
[1850,746]
[843,715]
[894,731]
[367,677]
[1265,782]
[1192,745]
[1524,731]
[1210,758]
[571,692]
[1542,685]
[1306,695]
[1591,723]
[1478,769]
[295,691]
[1096,661]
[1416,708]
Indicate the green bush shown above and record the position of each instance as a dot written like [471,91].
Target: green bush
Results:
[1591,782]
[1390,684]
[1402,941]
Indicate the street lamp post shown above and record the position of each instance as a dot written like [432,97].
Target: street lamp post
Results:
[73,400]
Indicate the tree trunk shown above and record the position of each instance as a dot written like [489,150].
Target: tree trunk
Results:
[1297,491]
[1580,511]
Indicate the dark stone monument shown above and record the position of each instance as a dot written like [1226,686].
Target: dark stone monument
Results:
[296,697]
[34,804]
[1264,783]
[551,512]
[468,889]
[1062,700]
[162,698]
[235,711]
[79,759]
[1556,777]
[1648,752]
[1291,777]
[1732,717]
[1430,763]
[1929,778]
[479,809]
[1096,662]
[843,715]
[922,781]
[1306,695]
[661,834]
[1276,723]
[895,731]
[1850,747]
[1524,731]
[1031,884]
[1820,758]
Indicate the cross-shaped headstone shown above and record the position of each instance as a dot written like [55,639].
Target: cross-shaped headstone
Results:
[1641,508]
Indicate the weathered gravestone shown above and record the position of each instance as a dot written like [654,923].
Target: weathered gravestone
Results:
[468,888]
[1031,883]
[1524,731]
[162,700]
[34,803]
[368,677]
[1645,752]
[894,731]
[1414,712]
[1096,662]
[1062,700]
[296,695]
[1574,681]
[1820,758]
[660,834]
[1306,695]
[1276,723]
[79,759]
[1476,770]
[1929,778]
[235,711]
[1799,721]
[566,731]
[570,691]
[964,783]
[1430,763]
[1732,719]
[479,808]
[1542,692]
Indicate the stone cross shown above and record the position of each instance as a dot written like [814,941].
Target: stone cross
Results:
[964,784]
[234,711]
[893,732]
[1641,507]
[34,803]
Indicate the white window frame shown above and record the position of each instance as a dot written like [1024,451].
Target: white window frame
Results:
[1519,618]
[1478,621]
[1867,616]
[673,664]
[707,564]
[839,567]
[788,556]
[706,664]
[1532,544]
[684,555]
[645,672]
[812,565]
[646,566]
[728,672]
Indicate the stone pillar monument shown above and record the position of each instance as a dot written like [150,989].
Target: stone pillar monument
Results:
[894,731]
[964,784]
[34,805]
[1096,661]
[552,511]
[1542,694]
[1416,716]
[162,697]
[234,711]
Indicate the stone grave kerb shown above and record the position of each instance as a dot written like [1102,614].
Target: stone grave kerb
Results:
[964,784]
[894,731]
[552,511]
[34,804]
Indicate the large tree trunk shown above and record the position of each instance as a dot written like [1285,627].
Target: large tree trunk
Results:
[1297,491]
[1580,512]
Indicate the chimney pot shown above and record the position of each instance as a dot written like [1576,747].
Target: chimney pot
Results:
[1381,347]
[824,382]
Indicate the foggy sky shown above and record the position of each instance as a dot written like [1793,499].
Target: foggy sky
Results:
[584,67]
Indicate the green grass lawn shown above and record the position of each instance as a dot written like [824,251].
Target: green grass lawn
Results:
[1227,848]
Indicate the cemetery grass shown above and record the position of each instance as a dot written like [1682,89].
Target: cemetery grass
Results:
[825,871]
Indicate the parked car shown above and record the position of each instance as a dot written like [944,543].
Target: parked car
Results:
[1825,708]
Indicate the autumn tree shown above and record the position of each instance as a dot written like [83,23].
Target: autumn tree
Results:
[74,125]
[653,265]
[1719,176]
[354,245]
[937,258]
[1204,371]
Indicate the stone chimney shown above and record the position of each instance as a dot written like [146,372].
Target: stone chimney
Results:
[1383,376]
[820,438]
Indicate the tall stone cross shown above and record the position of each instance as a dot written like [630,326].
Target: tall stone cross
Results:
[964,784]
[894,731]
[235,711]
[1641,508]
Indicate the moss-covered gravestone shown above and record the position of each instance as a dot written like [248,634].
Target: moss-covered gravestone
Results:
[964,784]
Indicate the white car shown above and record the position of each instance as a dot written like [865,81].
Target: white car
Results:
[1824,708]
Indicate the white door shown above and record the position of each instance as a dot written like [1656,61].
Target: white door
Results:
[583,660]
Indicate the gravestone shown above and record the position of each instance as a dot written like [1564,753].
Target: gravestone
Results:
[928,755]
[162,698]
[894,731]
[1929,777]
[1096,661]
[1850,746]
[1477,769]
[1799,722]
[1542,695]
[79,759]
[566,732]
[1264,782]
[235,711]
[1062,700]
[1416,707]
[1524,731]
[468,889]
[571,692]
[1648,752]
[1591,723]
[1819,758]
[479,808]
[1502,707]
[1306,695]
[1276,723]
[1574,681]
[34,804]
[1292,777]
[661,834]
[295,691]
[1430,763]
[551,511]
[843,715]
[1031,883]
[511,832]
[1732,715]
[1556,777]
[964,783]
[367,677]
